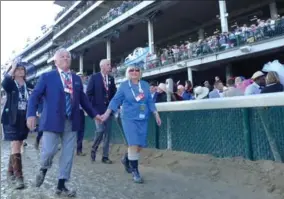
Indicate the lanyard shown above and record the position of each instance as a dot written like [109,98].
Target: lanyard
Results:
[105,79]
[140,89]
[67,84]
[25,95]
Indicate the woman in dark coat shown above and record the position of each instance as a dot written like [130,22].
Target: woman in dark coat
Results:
[273,84]
[14,118]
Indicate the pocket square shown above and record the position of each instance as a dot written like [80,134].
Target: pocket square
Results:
[77,83]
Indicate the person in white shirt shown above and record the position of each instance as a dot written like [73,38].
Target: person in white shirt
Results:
[258,82]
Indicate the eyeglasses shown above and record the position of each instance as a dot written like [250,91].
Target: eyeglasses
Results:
[136,70]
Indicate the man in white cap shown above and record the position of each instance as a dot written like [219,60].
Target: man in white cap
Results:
[258,82]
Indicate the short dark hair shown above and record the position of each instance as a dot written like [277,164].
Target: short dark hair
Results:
[218,82]
[152,84]
[230,82]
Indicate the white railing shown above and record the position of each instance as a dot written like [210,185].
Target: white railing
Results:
[260,100]
[38,51]
[67,12]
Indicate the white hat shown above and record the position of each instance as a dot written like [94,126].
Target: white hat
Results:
[257,75]
[201,92]
[163,87]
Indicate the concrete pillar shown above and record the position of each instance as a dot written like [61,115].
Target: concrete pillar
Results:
[189,75]
[151,37]
[201,33]
[229,72]
[223,15]
[108,49]
[81,63]
[273,10]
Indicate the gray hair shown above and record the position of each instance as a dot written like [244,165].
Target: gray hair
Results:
[103,61]
[132,67]
[59,51]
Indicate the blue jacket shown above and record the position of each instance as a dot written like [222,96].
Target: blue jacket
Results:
[96,92]
[53,114]
[131,109]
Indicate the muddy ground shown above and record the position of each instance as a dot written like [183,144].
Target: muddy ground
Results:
[167,175]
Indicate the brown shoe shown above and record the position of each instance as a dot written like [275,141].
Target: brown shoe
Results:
[17,169]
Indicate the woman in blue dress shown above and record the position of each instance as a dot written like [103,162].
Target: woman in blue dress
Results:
[135,97]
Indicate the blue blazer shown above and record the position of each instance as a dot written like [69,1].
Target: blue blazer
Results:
[96,92]
[53,114]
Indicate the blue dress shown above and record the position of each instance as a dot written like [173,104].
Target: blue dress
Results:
[134,114]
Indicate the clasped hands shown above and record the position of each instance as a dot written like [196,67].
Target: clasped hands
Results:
[102,118]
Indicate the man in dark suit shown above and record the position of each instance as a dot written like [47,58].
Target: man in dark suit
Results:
[100,90]
[62,92]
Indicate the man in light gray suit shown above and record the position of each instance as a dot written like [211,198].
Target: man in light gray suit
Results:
[232,91]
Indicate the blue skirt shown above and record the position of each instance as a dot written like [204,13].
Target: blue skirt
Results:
[135,132]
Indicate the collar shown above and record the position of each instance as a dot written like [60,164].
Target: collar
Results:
[60,71]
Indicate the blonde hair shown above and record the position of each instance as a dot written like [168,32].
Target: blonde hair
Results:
[272,78]
[132,67]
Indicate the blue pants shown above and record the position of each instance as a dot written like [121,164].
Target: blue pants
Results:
[39,135]
[103,132]
[50,141]
[81,132]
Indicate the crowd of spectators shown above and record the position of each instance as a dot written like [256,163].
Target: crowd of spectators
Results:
[241,35]
[109,16]
[260,82]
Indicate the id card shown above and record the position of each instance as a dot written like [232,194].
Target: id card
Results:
[67,90]
[22,105]
[142,107]
[142,116]
[139,97]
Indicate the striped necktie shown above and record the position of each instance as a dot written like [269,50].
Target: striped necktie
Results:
[67,83]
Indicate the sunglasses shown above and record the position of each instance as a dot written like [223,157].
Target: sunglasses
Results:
[136,70]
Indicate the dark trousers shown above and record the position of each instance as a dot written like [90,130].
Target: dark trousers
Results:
[81,132]
[39,135]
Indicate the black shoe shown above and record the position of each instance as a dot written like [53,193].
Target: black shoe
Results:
[65,192]
[106,160]
[125,163]
[25,144]
[36,145]
[40,178]
[93,156]
[81,154]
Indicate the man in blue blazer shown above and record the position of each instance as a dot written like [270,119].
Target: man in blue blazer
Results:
[62,92]
[100,90]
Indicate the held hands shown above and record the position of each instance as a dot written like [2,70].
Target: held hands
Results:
[158,119]
[31,123]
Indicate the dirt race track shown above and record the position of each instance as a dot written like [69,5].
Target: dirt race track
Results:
[168,175]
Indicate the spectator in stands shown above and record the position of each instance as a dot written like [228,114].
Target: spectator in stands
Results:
[272,83]
[201,92]
[182,93]
[218,90]
[188,87]
[238,82]
[232,90]
[258,82]
[161,93]
[153,90]
[207,85]
[137,104]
